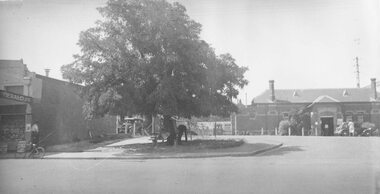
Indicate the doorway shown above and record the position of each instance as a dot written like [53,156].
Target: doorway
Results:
[327,126]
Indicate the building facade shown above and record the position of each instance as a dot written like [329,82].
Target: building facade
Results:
[325,109]
[26,97]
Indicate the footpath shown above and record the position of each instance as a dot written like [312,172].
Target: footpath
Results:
[115,151]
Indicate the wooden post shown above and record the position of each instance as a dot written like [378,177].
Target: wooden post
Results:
[262,131]
[235,124]
[117,123]
[191,136]
[303,131]
[275,131]
[289,132]
[215,129]
[153,125]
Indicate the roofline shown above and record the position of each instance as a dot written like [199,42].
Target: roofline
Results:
[57,80]
[340,102]
[300,89]
[12,60]
[46,77]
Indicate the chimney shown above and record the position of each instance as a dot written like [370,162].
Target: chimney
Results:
[373,88]
[47,72]
[271,88]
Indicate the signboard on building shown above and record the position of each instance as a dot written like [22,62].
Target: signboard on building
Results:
[21,146]
[16,97]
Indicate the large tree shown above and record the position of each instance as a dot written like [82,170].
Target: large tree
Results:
[146,57]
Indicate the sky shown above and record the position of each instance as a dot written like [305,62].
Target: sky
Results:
[298,43]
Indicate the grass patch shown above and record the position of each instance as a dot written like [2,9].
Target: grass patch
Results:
[84,145]
[195,146]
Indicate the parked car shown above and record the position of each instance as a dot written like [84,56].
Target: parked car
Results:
[369,129]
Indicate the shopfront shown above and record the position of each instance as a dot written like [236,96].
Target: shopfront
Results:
[15,120]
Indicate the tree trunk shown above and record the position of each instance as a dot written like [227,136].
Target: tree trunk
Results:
[169,127]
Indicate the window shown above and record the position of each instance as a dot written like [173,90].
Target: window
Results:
[375,111]
[252,115]
[285,115]
[360,118]
[348,118]
[272,112]
[15,89]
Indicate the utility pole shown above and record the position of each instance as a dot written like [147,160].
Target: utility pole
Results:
[357,72]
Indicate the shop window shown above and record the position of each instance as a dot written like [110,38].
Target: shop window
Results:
[12,127]
[15,89]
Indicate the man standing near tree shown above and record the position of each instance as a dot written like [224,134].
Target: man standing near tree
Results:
[181,129]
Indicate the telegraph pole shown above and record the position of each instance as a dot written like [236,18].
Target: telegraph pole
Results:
[357,72]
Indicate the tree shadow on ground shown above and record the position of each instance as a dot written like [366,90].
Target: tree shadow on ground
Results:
[282,151]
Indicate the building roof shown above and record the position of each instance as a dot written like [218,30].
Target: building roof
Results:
[11,62]
[318,95]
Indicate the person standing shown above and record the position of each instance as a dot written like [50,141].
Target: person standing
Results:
[181,129]
[351,128]
[35,136]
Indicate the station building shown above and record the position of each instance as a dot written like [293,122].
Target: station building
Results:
[325,108]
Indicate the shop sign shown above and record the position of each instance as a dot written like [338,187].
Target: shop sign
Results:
[21,146]
[339,122]
[28,128]
[17,97]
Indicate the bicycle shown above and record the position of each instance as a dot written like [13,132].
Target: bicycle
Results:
[35,152]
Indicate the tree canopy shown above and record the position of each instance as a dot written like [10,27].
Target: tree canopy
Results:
[147,57]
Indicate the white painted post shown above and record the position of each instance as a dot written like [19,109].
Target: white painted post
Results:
[262,131]
[289,131]
[117,124]
[134,128]
[316,131]
[275,131]
[303,131]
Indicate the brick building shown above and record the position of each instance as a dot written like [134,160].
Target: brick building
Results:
[325,108]
[26,97]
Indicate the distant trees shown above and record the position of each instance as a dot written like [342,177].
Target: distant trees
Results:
[146,57]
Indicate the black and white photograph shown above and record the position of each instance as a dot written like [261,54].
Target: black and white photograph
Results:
[190,96]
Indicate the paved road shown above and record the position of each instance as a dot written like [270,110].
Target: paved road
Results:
[303,165]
